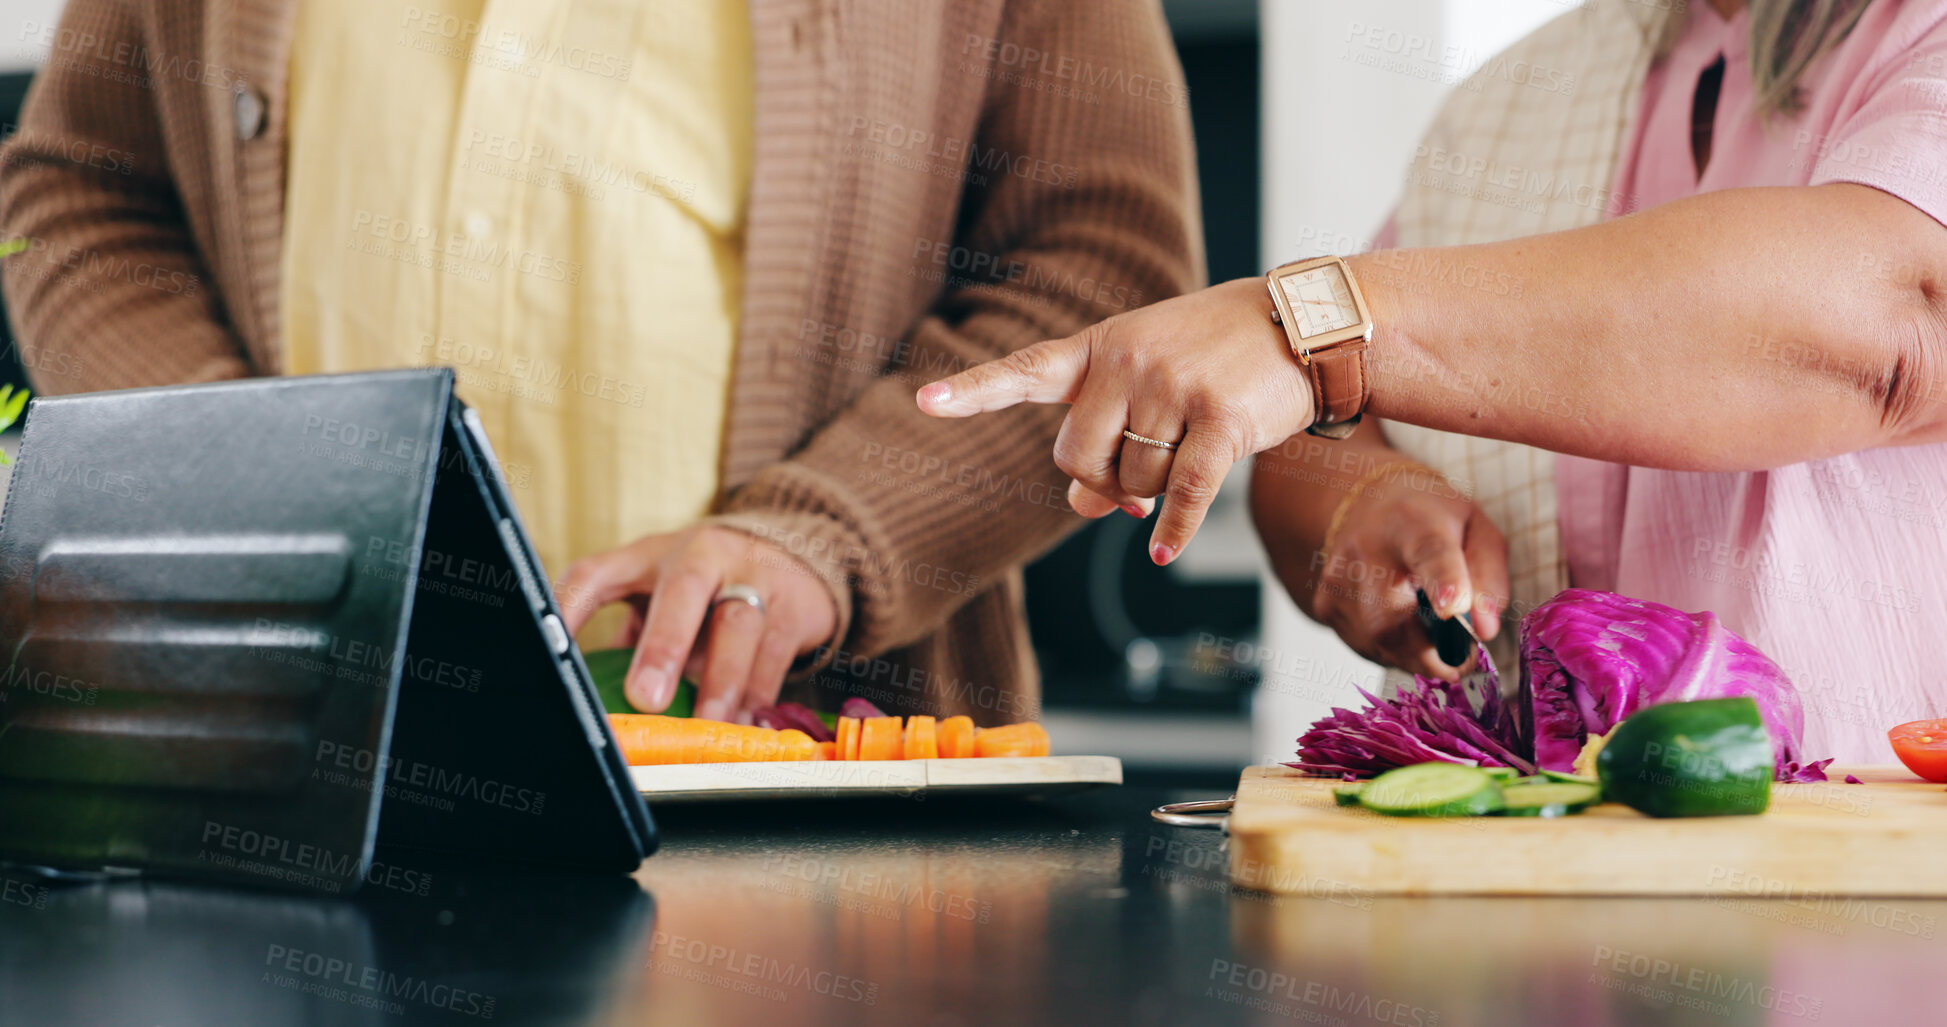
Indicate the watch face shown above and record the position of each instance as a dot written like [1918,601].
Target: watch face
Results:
[1320,299]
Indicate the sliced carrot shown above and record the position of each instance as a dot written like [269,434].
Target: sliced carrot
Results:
[1024,739]
[879,739]
[921,740]
[793,744]
[648,739]
[955,737]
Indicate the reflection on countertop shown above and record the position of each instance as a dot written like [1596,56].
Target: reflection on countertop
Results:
[427,946]
[1080,910]
[1072,911]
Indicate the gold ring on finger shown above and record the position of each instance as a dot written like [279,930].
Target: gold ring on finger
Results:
[1147,441]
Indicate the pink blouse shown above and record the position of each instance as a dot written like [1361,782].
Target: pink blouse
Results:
[1835,568]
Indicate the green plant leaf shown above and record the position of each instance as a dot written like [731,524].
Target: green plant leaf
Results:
[11,404]
[13,246]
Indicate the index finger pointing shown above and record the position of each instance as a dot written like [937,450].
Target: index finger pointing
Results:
[1046,372]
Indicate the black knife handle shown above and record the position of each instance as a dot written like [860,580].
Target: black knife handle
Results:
[1450,640]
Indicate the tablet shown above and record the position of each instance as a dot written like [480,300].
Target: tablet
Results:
[256,629]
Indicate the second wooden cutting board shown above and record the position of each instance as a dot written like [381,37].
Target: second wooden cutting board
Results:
[1885,837]
[839,779]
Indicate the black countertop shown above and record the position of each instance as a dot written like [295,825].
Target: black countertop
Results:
[1070,911]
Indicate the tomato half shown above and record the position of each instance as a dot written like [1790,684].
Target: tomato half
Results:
[1922,746]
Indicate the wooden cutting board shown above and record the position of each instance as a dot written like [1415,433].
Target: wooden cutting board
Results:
[1885,837]
[838,779]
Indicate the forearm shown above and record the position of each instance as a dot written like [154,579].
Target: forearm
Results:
[111,291]
[1299,489]
[1727,331]
[113,317]
[1296,488]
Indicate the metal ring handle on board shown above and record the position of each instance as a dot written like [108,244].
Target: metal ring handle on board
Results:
[1194,814]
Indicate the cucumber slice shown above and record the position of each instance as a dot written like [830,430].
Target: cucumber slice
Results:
[1348,794]
[1549,799]
[1705,758]
[1432,790]
[1549,777]
[1502,774]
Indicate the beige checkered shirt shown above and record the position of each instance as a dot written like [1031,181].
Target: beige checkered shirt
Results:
[1528,144]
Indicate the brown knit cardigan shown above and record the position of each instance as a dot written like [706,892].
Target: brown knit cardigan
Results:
[937,182]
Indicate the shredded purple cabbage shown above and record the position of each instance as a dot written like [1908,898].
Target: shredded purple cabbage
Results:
[860,709]
[1793,773]
[796,716]
[1589,659]
[1434,721]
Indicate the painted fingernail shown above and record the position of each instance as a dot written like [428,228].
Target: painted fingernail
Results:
[1134,511]
[1448,593]
[1161,554]
[936,394]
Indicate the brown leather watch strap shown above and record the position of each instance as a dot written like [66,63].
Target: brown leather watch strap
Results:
[1341,387]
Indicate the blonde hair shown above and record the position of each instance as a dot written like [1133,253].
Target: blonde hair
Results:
[1787,37]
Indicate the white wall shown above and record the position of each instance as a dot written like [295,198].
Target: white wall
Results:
[21,24]
[1357,80]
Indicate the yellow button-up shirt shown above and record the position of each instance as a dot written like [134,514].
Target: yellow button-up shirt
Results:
[548,196]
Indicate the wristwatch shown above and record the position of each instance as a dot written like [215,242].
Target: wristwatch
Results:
[1324,314]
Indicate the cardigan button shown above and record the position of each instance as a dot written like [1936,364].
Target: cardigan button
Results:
[250,110]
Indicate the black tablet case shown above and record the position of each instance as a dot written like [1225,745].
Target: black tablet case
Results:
[257,627]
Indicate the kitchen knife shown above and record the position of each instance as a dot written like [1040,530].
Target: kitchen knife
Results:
[1453,638]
